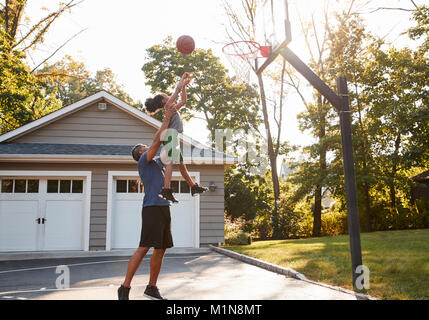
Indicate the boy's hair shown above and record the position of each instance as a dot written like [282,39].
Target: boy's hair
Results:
[155,103]
[136,151]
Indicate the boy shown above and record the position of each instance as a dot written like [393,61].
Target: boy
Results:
[163,101]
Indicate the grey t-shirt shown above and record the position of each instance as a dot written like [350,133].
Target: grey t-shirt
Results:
[175,122]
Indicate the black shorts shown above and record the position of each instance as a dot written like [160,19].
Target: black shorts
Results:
[156,227]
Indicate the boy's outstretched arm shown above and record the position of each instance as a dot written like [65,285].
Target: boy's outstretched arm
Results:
[183,97]
[178,88]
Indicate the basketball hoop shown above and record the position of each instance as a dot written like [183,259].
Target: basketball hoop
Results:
[242,54]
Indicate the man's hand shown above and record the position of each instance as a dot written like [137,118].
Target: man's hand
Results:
[187,81]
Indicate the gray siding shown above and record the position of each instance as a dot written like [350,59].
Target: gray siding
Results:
[211,203]
[92,126]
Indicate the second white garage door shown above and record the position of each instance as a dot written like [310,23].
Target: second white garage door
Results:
[126,203]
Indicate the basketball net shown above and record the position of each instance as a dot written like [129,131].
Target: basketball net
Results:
[242,55]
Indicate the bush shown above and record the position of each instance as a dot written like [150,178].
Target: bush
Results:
[334,223]
[263,228]
[236,231]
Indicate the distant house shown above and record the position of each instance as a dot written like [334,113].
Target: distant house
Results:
[285,171]
[68,181]
[421,189]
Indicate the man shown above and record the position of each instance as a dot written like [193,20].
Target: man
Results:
[156,219]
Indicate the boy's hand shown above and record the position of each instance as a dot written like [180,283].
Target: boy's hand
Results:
[187,81]
[187,75]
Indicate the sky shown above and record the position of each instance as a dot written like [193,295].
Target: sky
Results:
[118,33]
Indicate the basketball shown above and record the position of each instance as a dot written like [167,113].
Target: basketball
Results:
[185,44]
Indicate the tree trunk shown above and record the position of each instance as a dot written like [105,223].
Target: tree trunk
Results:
[317,213]
[392,189]
[273,161]
[367,207]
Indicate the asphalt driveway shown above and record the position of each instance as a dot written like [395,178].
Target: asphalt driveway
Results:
[183,277]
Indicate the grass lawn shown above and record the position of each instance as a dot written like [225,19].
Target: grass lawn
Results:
[398,260]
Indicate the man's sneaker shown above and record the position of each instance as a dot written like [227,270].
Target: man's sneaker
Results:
[168,194]
[152,292]
[123,293]
[197,189]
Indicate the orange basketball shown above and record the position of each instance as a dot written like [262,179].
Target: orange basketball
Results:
[185,44]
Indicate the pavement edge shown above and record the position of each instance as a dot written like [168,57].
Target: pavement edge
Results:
[290,273]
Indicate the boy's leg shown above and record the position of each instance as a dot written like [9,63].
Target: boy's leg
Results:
[155,265]
[134,264]
[195,188]
[185,174]
[168,172]
[166,191]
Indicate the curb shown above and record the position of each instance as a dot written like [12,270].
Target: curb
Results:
[290,273]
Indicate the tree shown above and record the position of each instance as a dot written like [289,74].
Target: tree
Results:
[22,39]
[21,99]
[71,81]
[242,26]
[213,97]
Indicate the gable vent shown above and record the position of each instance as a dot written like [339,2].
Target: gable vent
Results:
[102,106]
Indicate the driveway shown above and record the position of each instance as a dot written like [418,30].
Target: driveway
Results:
[197,276]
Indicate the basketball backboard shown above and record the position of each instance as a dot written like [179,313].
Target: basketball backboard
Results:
[272,29]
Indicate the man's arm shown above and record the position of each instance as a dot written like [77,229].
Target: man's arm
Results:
[178,88]
[156,143]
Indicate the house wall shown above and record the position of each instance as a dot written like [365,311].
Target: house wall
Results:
[92,126]
[211,203]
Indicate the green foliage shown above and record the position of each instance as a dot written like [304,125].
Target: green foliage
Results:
[71,81]
[21,99]
[235,233]
[212,95]
[246,194]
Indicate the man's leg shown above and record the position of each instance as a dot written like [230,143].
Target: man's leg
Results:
[134,264]
[155,265]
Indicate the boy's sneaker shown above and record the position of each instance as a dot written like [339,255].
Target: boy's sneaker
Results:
[123,293]
[152,292]
[197,189]
[168,194]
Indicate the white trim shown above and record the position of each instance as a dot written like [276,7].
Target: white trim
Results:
[112,174]
[87,201]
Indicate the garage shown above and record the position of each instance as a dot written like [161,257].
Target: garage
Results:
[41,213]
[125,199]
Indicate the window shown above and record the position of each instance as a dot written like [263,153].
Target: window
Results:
[6,186]
[175,186]
[33,186]
[65,186]
[180,186]
[19,186]
[129,186]
[77,186]
[52,186]
[184,187]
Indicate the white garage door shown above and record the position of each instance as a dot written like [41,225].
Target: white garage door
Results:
[127,202]
[41,213]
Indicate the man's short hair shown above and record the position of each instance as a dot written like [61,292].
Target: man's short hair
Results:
[136,151]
